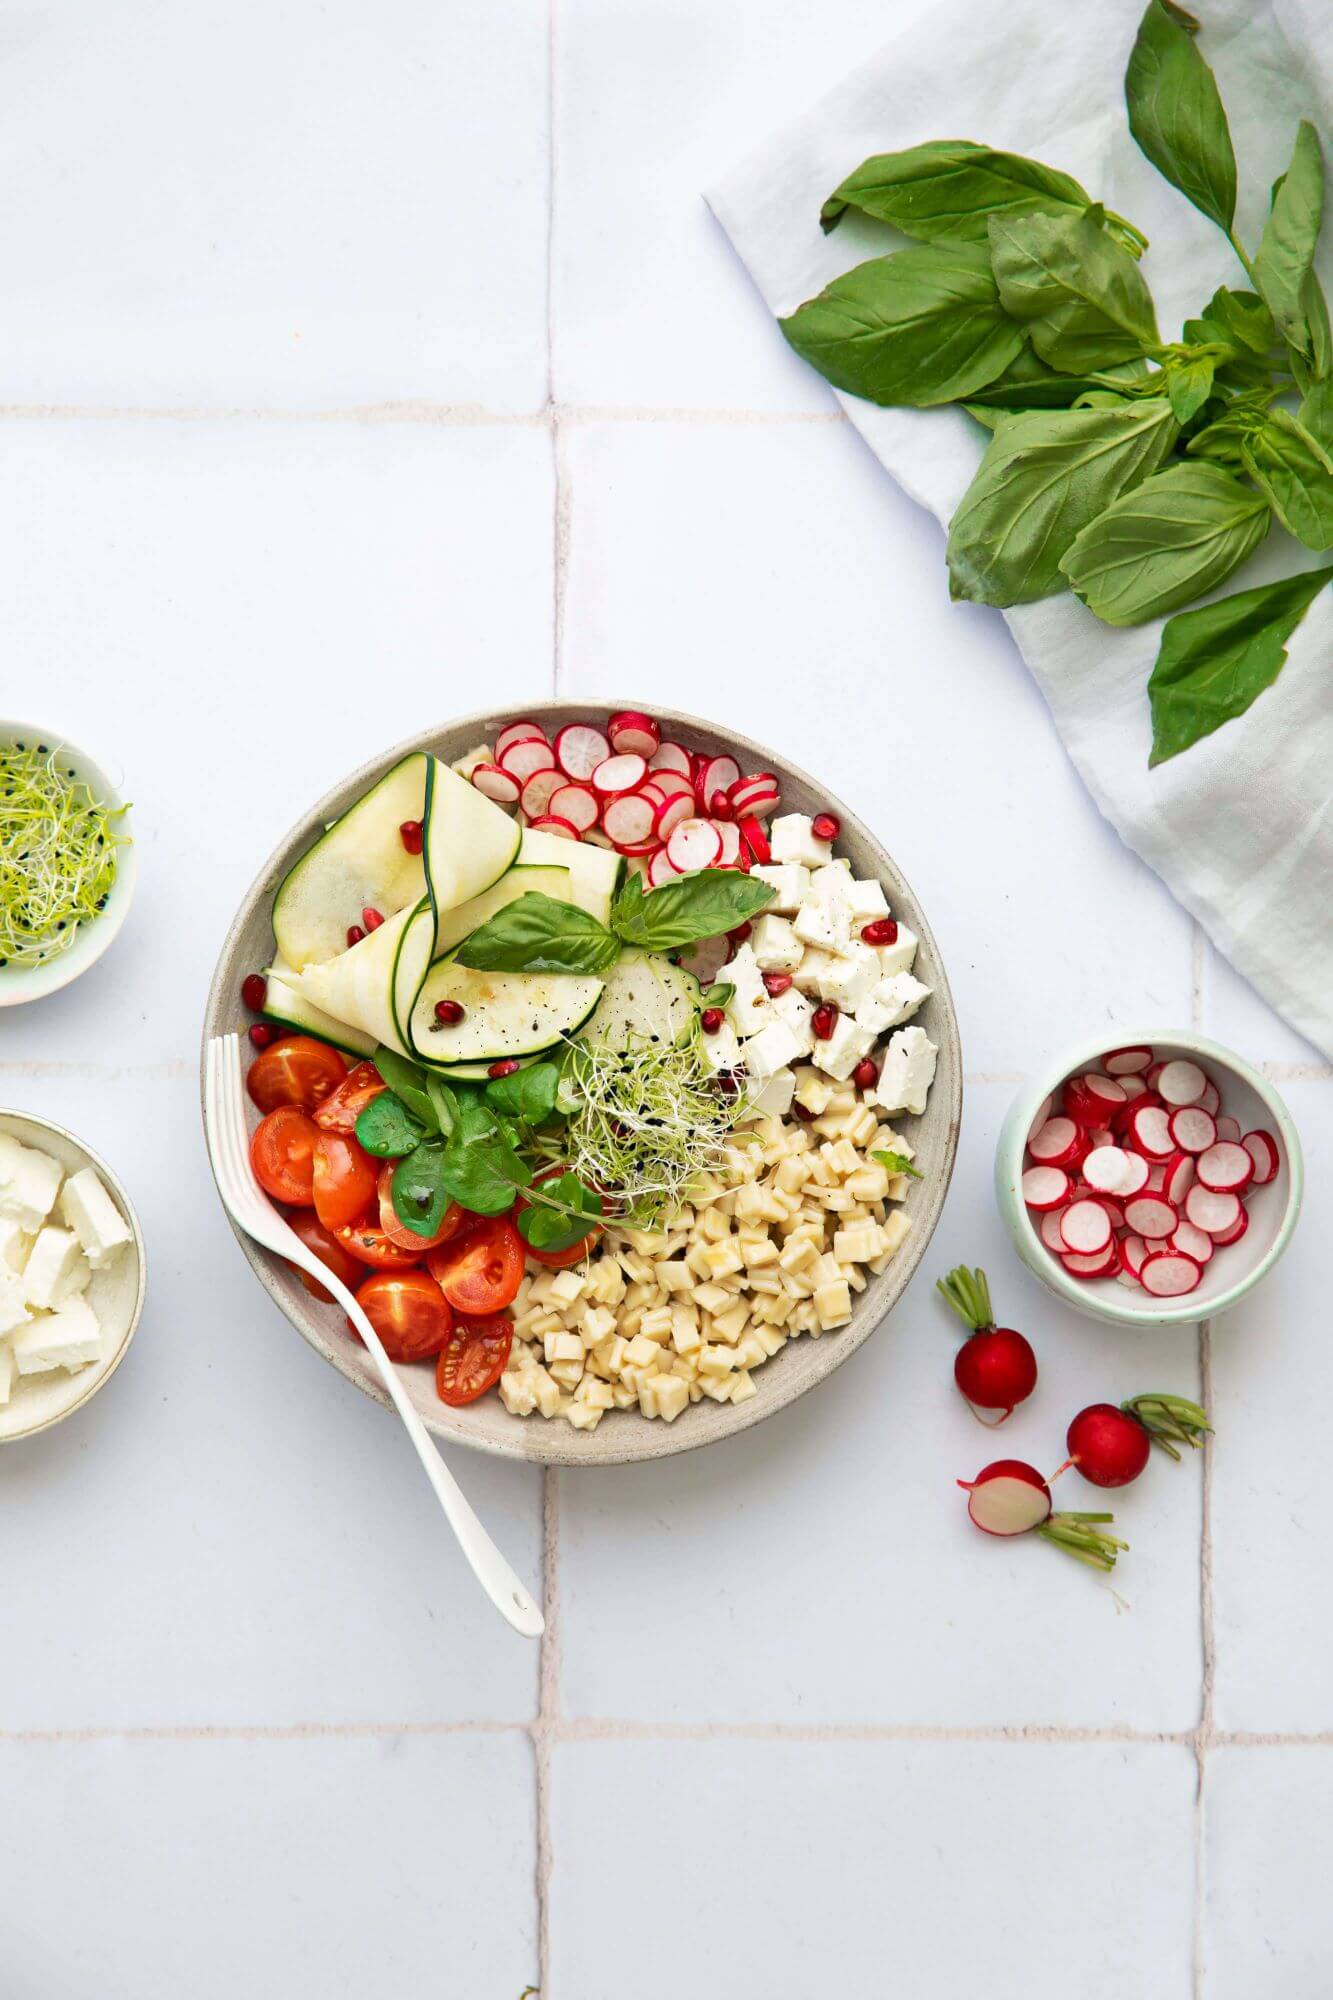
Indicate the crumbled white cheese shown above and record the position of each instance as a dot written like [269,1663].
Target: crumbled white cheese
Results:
[56,1269]
[793,839]
[90,1212]
[908,1072]
[68,1338]
[29,1181]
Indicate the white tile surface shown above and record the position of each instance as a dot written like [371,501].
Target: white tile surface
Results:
[930,1869]
[1266,1921]
[147,1870]
[303,207]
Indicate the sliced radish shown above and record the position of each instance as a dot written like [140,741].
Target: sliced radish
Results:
[615,776]
[1151,1074]
[1211,1101]
[1128,1279]
[1085,1227]
[1133,1250]
[1262,1149]
[1127,1062]
[1055,1144]
[1078,1103]
[660,869]
[518,732]
[1195,1243]
[1192,1129]
[673,812]
[629,821]
[1150,1133]
[1236,1231]
[1039,1118]
[1156,1181]
[1007,1498]
[1178,1178]
[1181,1082]
[719,774]
[1226,1167]
[695,843]
[1108,1093]
[1212,1209]
[1046,1188]
[576,803]
[1169,1274]
[1228,1128]
[1107,1169]
[668,784]
[1136,1175]
[1114,1208]
[730,835]
[563,829]
[539,792]
[670,756]
[1155,1245]
[523,758]
[1102,1136]
[631,732]
[758,793]
[1150,1215]
[1098,1265]
[756,840]
[1049,1229]
[579,749]
[493,783]
[1133,1086]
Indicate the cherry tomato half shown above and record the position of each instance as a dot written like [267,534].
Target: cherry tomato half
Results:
[344,1179]
[367,1242]
[473,1358]
[282,1153]
[480,1272]
[398,1232]
[408,1311]
[360,1087]
[329,1251]
[560,1260]
[297,1070]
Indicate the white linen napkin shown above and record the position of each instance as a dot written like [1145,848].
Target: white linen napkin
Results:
[1240,826]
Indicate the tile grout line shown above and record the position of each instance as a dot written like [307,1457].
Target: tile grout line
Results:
[445,416]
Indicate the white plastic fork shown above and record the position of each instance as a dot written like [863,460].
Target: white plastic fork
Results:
[250,1208]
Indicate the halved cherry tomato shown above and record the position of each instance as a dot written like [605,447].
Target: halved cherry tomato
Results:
[282,1153]
[360,1087]
[560,1260]
[329,1251]
[344,1179]
[480,1271]
[398,1232]
[408,1311]
[367,1242]
[296,1070]
[473,1358]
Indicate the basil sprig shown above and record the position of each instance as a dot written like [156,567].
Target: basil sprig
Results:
[1176,114]
[1154,549]
[537,934]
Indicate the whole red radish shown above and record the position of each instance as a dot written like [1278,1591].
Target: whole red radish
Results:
[1010,1497]
[1110,1444]
[996,1369]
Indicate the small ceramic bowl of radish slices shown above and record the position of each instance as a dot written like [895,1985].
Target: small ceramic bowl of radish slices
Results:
[1152,1180]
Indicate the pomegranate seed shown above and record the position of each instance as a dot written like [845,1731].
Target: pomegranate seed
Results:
[505,1068]
[711,1020]
[739,935]
[412,834]
[371,918]
[261,1034]
[727,1082]
[803,1112]
[883,931]
[450,1012]
[824,1020]
[865,1076]
[826,826]
[776,982]
[254,992]
[354,935]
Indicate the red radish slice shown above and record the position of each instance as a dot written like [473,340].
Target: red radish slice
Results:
[615,776]
[719,774]
[518,732]
[756,840]
[1226,1167]
[695,843]
[1107,1169]
[576,803]
[1192,1129]
[1228,1128]
[539,792]
[1103,1136]
[1178,1178]
[1211,1101]
[633,733]
[1108,1093]
[1045,1188]
[1127,1062]
[1156,1182]
[493,783]
[1195,1243]
[523,758]
[670,756]
[579,749]
[1137,1174]
[1055,1143]
[730,835]
[561,828]
[1113,1209]
[1133,1250]
[1234,1234]
[1150,1133]
[1154,1245]
[668,784]
[1212,1209]
[1085,1227]
[1100,1265]
[756,794]
[629,821]
[1181,1082]
[1150,1215]
[1133,1086]
[1262,1149]
[1050,1229]
[1151,1074]
[1078,1103]
[660,869]
[1127,1279]
[671,814]
[1169,1274]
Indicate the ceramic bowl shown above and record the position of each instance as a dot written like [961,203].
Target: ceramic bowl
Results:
[19,984]
[1232,1271]
[116,1294]
[623,1435]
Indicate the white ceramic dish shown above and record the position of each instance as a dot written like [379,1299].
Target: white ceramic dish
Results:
[116,1295]
[19,984]
[1232,1271]
[625,1435]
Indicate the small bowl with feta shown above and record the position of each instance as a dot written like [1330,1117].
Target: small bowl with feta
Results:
[71,1274]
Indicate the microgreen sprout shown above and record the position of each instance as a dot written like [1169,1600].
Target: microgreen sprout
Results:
[650,1122]
[58,851]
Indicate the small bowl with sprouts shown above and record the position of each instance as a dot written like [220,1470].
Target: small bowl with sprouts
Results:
[67,862]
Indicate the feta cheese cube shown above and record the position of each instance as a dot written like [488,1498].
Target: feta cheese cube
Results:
[90,1212]
[7,1371]
[796,1012]
[849,980]
[15,1243]
[774,1100]
[772,1049]
[775,945]
[820,924]
[29,1182]
[868,901]
[811,969]
[832,884]
[749,1007]
[900,956]
[56,1269]
[790,883]
[68,1338]
[892,1002]
[13,1305]
[721,1049]
[839,1055]
[908,1072]
[793,839]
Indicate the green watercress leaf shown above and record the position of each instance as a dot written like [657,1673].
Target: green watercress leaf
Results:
[1043,477]
[1166,542]
[420,1192]
[942,192]
[387,1128]
[535,933]
[1176,113]
[548,1228]
[1294,470]
[1214,662]
[1284,271]
[408,1082]
[897,1163]
[922,326]
[528,1095]
[702,905]
[1081,298]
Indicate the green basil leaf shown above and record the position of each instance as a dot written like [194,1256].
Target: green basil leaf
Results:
[1284,265]
[444,1103]
[897,1163]
[1214,662]
[535,933]
[1316,413]
[1081,298]
[1237,320]
[1029,383]
[1176,114]
[528,1095]
[387,1128]
[1296,473]
[408,1082]
[1043,477]
[550,1228]
[1189,384]
[1172,538]
[481,1168]
[420,1193]
[923,326]
[703,905]
[943,191]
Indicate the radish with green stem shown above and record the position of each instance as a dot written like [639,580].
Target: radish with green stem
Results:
[995,1369]
[1009,1497]
[1110,1444]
